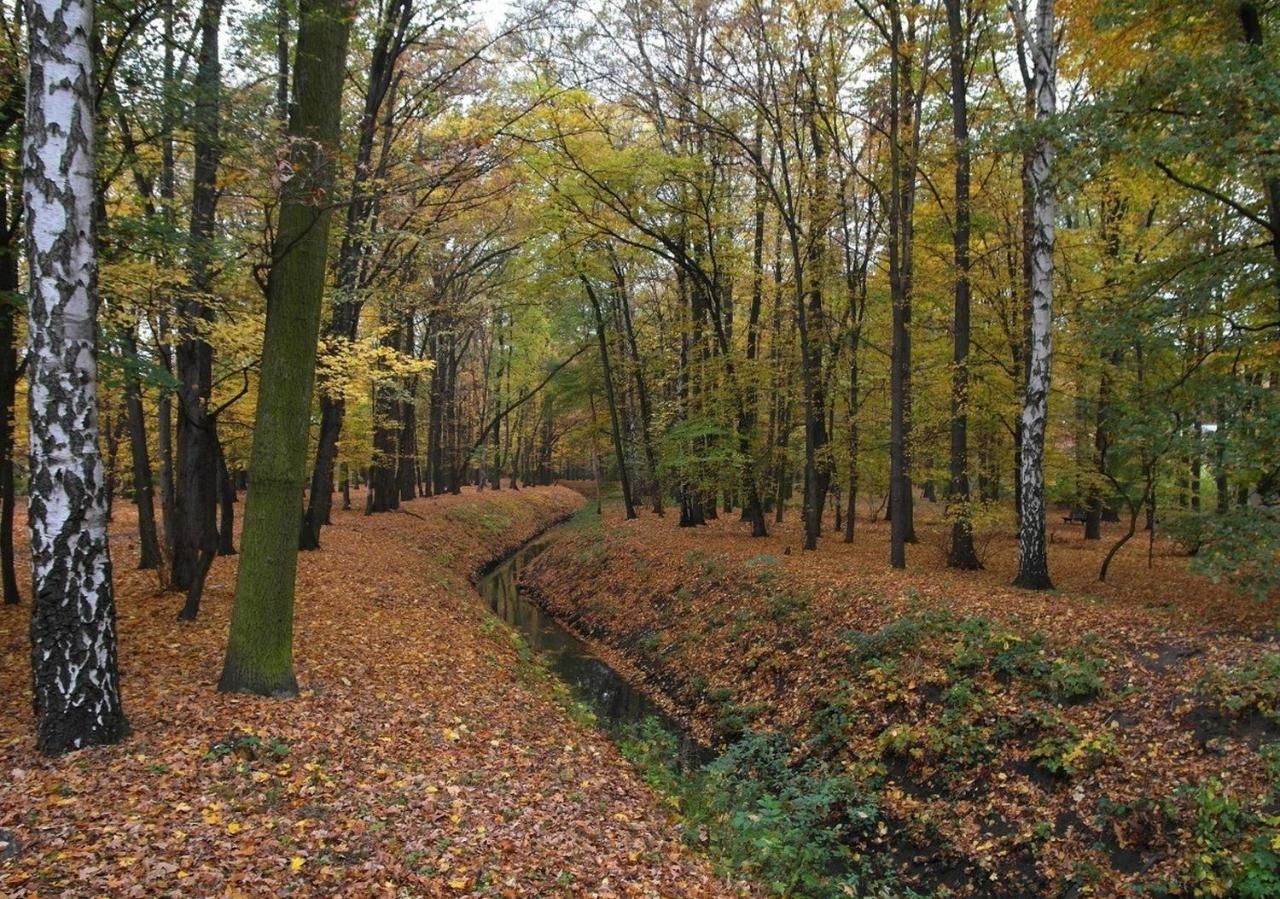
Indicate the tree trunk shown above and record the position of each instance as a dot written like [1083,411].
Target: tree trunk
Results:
[962,554]
[642,391]
[226,506]
[75,677]
[406,469]
[196,498]
[260,648]
[1033,558]
[1251,23]
[900,362]
[143,494]
[342,328]
[164,407]
[9,374]
[810,319]
[384,489]
[282,62]
[623,476]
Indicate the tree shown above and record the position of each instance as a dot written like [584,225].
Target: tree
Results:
[607,373]
[962,554]
[260,649]
[196,497]
[11,301]
[148,540]
[391,38]
[73,636]
[1033,556]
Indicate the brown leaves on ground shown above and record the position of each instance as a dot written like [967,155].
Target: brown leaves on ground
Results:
[417,760]
[1026,742]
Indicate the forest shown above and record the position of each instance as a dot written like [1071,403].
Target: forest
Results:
[641,448]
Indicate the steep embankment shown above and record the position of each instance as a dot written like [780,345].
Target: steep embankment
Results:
[423,757]
[1011,743]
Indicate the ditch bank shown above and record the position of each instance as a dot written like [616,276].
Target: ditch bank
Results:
[881,740]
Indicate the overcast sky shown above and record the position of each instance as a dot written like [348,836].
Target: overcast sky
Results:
[490,11]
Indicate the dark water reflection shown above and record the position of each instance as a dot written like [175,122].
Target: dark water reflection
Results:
[616,703]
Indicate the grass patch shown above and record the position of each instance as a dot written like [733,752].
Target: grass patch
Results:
[480,516]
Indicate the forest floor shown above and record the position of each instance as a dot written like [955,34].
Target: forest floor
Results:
[426,755]
[1101,739]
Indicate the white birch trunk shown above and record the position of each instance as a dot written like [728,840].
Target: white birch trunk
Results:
[73,637]
[1033,562]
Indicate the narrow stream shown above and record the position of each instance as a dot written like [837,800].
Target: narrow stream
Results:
[615,701]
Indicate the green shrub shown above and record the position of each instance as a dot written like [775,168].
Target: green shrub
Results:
[1004,651]
[1246,690]
[1075,676]
[1241,548]
[895,638]
[785,825]
[248,745]
[1064,752]
[1235,852]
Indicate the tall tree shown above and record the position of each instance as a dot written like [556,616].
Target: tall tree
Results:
[73,627]
[10,371]
[260,649]
[11,300]
[391,38]
[1033,556]
[149,555]
[962,553]
[902,174]
[607,373]
[196,495]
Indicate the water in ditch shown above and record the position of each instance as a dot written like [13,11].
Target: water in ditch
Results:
[617,703]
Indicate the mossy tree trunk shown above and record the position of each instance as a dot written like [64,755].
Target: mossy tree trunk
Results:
[260,649]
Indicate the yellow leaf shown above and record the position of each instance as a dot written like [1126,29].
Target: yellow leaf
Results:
[234,827]
[295,863]
[458,883]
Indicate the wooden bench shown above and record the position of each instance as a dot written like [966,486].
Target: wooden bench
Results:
[1077,516]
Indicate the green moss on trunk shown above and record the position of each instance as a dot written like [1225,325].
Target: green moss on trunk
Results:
[260,649]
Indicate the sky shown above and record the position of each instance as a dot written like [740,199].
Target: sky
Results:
[490,11]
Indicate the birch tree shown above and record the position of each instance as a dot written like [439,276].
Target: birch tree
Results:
[73,627]
[1041,73]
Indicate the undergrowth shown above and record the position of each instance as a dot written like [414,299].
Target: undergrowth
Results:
[799,828]
[1234,849]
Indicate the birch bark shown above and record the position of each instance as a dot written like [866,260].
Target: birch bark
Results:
[1033,562]
[73,637]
